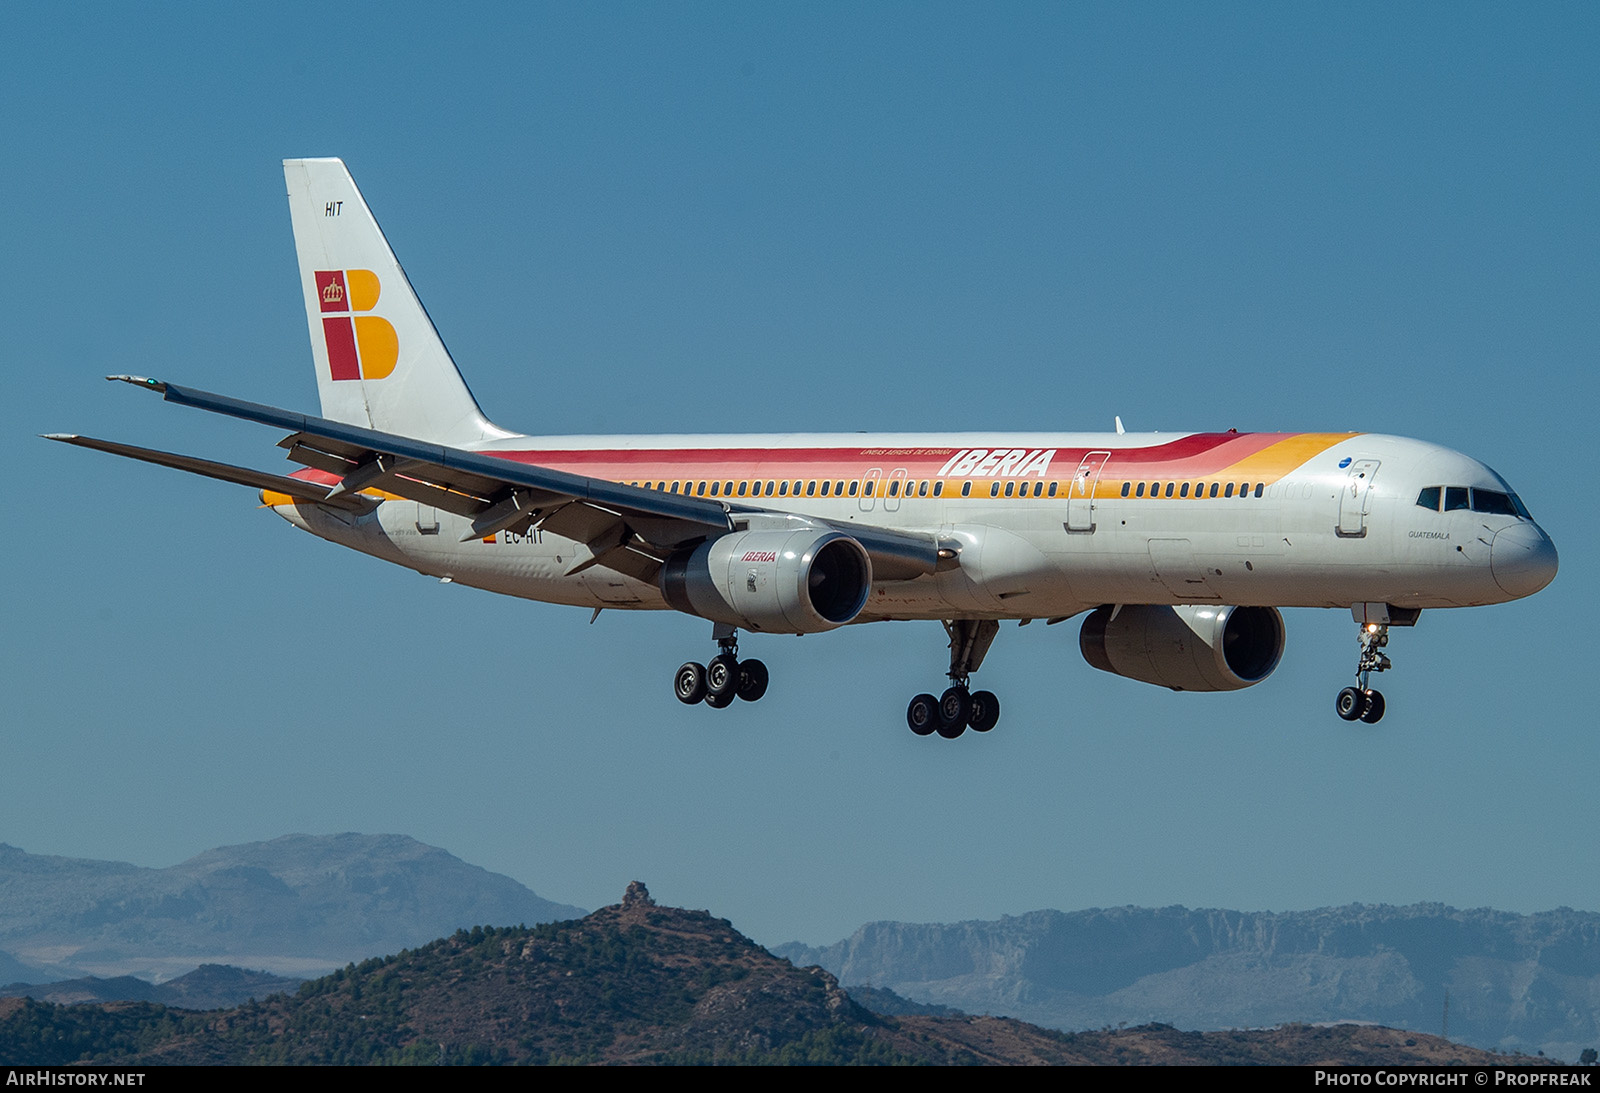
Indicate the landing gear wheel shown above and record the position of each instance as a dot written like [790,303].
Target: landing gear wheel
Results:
[1351,703]
[1373,713]
[923,714]
[752,680]
[985,711]
[719,702]
[722,677]
[955,707]
[690,683]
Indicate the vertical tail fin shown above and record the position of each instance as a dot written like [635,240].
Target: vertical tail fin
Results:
[380,363]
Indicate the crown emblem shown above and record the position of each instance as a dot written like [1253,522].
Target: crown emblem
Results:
[332,293]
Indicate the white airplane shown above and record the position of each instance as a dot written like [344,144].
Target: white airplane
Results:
[1180,548]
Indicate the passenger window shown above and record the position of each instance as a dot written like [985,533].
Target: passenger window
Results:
[825,487]
[714,486]
[797,487]
[1455,497]
[742,487]
[1125,488]
[1169,489]
[838,489]
[1260,486]
[1429,497]
[1184,492]
[1140,491]
[854,486]
[866,491]
[922,488]
[966,489]
[1052,489]
[811,488]
[1010,488]
[1229,491]
[700,490]
[994,489]
[894,488]
[938,488]
[783,489]
[1213,489]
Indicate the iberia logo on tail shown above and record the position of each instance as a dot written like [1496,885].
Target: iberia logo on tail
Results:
[359,346]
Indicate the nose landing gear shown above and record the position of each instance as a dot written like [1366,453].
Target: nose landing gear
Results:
[959,709]
[727,677]
[1361,702]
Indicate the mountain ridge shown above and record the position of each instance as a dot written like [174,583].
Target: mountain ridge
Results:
[1516,982]
[295,905]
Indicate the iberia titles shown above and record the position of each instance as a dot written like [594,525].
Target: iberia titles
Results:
[998,463]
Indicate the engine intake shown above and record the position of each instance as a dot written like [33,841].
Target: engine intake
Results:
[1187,648]
[780,582]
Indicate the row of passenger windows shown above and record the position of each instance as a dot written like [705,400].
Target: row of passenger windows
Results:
[813,488]
[932,488]
[1197,490]
[1470,498]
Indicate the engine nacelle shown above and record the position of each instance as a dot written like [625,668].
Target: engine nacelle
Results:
[780,582]
[1201,647]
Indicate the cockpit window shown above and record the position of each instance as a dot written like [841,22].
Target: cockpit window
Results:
[1461,498]
[1493,502]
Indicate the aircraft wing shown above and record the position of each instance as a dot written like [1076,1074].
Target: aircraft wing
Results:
[626,528]
[226,472]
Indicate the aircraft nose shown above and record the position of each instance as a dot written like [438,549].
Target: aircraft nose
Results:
[1522,559]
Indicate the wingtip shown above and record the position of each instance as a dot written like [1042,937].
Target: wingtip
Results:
[142,381]
[67,437]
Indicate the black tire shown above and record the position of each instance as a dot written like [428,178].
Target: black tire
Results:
[1350,704]
[720,702]
[690,683]
[752,680]
[923,714]
[1374,708]
[985,711]
[722,676]
[955,710]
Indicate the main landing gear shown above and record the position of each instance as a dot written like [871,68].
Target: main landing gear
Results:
[959,709]
[1361,702]
[727,677]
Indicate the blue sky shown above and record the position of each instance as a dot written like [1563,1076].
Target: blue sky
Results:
[638,218]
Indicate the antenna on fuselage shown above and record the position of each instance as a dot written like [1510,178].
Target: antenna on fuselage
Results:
[1120,429]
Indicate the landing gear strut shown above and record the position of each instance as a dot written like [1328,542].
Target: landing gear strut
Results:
[959,709]
[1361,702]
[727,677]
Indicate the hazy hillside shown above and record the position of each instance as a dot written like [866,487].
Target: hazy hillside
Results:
[210,986]
[633,983]
[296,905]
[1515,982]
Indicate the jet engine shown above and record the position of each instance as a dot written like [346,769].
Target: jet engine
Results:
[780,582]
[1189,648]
